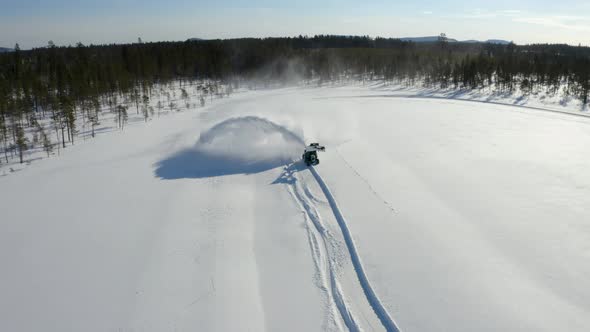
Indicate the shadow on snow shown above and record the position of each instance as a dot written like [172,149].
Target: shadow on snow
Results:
[191,163]
[288,174]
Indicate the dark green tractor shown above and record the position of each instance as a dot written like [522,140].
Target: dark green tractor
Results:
[310,155]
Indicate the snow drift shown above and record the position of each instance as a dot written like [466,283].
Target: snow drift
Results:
[243,145]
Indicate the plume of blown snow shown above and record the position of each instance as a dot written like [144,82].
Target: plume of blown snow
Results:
[242,145]
[250,140]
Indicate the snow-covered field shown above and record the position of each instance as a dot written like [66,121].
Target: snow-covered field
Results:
[425,214]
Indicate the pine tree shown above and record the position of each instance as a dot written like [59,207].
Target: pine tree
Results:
[3,137]
[20,141]
[70,114]
[93,116]
[159,106]
[135,99]
[122,115]
[3,126]
[145,107]
[45,141]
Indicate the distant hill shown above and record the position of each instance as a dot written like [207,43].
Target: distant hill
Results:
[489,41]
[432,39]
[498,41]
[428,39]
[5,49]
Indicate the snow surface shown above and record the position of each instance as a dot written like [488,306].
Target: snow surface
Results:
[425,214]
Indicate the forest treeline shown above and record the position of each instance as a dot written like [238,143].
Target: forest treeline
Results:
[67,84]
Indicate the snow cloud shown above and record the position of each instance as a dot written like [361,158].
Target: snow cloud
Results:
[242,145]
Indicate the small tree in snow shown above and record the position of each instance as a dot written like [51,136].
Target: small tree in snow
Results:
[159,106]
[93,115]
[21,142]
[145,101]
[47,145]
[121,115]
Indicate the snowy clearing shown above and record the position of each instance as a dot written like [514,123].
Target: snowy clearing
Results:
[425,214]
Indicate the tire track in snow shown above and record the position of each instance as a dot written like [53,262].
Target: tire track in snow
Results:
[372,297]
[321,242]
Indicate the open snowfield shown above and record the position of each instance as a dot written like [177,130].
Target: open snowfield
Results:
[425,214]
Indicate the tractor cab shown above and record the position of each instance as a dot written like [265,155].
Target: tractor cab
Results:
[310,155]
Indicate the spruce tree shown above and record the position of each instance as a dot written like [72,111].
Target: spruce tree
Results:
[145,107]
[20,141]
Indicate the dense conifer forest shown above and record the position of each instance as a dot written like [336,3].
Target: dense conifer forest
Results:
[65,85]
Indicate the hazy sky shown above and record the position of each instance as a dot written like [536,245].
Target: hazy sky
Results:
[33,22]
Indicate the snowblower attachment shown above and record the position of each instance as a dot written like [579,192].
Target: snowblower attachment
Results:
[310,155]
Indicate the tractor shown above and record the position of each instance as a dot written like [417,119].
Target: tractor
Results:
[310,155]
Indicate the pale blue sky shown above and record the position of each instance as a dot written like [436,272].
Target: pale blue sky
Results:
[34,22]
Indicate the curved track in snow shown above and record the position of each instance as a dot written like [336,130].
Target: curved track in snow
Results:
[372,297]
[324,246]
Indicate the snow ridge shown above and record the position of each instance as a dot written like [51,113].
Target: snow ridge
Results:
[373,299]
[426,97]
